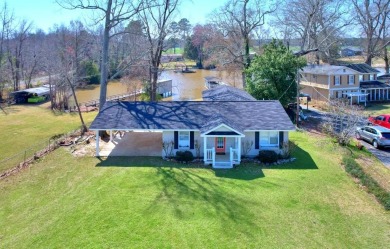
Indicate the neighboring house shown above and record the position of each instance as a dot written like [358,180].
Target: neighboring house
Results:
[350,51]
[226,93]
[325,82]
[218,131]
[164,88]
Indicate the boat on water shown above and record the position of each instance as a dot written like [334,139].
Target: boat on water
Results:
[212,81]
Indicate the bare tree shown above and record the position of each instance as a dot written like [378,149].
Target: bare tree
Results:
[238,19]
[6,18]
[343,120]
[112,13]
[386,38]
[371,16]
[156,18]
[16,46]
[317,23]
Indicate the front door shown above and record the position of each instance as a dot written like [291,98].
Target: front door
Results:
[220,143]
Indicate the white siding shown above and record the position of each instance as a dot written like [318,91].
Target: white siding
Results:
[250,136]
[169,136]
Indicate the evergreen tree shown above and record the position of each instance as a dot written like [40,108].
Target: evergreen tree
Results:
[272,75]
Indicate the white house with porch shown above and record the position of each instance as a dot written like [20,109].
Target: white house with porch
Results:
[220,132]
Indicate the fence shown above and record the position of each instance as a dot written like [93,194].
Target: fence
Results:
[14,163]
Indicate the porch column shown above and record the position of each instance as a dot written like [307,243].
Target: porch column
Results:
[97,143]
[204,149]
[110,135]
[239,149]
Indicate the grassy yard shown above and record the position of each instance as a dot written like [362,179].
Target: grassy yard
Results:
[70,202]
[27,126]
[378,108]
[174,51]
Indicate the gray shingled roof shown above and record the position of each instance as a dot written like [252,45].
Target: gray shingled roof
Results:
[362,68]
[227,93]
[215,120]
[191,115]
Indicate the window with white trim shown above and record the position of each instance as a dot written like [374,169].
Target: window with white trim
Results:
[269,138]
[351,79]
[184,139]
[337,80]
[372,77]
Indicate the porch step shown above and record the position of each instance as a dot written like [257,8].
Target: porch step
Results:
[222,165]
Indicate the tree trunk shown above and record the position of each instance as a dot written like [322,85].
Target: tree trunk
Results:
[368,60]
[386,59]
[104,64]
[84,127]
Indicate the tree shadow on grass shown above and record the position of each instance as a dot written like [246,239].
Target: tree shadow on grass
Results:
[303,161]
[187,193]
[143,161]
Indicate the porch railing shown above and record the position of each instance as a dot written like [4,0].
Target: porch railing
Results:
[234,155]
[210,155]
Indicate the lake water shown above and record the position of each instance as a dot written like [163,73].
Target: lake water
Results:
[185,86]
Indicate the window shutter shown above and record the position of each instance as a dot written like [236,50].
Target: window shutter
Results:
[374,76]
[281,139]
[176,140]
[191,140]
[341,79]
[257,140]
[334,80]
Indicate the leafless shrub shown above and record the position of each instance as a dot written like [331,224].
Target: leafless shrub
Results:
[343,120]
[168,148]
[288,149]
[246,147]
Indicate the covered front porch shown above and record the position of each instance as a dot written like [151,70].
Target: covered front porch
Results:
[222,151]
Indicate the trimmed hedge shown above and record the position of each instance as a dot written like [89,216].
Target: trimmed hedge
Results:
[184,156]
[355,170]
[268,156]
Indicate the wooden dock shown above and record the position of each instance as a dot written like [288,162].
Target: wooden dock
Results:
[110,98]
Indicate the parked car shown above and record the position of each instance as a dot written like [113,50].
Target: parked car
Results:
[378,136]
[381,120]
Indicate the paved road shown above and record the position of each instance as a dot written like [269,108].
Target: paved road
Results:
[382,154]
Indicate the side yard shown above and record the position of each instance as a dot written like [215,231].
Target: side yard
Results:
[28,126]
[147,202]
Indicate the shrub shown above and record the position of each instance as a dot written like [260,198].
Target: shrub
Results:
[288,149]
[354,169]
[184,156]
[268,156]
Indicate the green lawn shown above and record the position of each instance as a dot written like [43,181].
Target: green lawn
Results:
[70,202]
[28,126]
[378,108]
[174,51]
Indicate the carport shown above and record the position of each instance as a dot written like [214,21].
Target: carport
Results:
[131,143]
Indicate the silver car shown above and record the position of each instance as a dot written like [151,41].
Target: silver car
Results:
[378,136]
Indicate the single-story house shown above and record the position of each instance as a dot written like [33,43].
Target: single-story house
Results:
[226,93]
[350,51]
[219,131]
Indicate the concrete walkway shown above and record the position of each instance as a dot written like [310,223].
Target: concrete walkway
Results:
[133,144]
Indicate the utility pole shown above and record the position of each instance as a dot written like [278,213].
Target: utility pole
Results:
[297,111]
